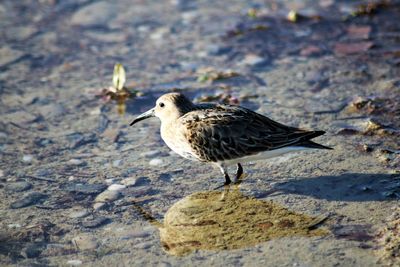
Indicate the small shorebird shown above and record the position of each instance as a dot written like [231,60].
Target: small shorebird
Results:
[224,135]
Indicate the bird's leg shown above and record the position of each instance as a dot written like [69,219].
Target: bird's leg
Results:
[239,172]
[226,175]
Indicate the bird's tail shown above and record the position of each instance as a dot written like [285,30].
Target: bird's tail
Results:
[310,144]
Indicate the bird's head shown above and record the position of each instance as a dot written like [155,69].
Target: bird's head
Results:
[168,107]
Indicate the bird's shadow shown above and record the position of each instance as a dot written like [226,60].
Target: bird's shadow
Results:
[345,187]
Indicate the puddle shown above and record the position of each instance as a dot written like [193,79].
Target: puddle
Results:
[229,220]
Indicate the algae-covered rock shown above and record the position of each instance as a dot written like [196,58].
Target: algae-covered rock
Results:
[230,220]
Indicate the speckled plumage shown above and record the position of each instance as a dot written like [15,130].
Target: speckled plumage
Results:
[224,134]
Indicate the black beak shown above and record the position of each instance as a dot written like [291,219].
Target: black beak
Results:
[143,116]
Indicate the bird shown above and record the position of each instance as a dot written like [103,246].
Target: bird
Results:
[224,135]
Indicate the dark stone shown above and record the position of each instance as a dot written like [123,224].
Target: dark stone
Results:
[28,200]
[77,139]
[18,186]
[87,189]
[32,250]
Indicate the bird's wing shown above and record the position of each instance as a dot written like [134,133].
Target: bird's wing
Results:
[228,132]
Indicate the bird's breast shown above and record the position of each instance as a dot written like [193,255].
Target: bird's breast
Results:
[175,138]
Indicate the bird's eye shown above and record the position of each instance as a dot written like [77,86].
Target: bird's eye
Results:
[161,105]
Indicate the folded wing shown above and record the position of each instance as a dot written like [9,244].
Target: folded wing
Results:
[228,132]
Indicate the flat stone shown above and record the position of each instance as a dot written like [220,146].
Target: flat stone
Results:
[96,14]
[116,187]
[135,181]
[74,262]
[108,196]
[18,186]
[85,242]
[28,200]
[9,55]
[254,61]
[156,162]
[99,221]
[27,158]
[78,139]
[32,250]
[76,162]
[78,213]
[87,189]
[52,110]
[99,206]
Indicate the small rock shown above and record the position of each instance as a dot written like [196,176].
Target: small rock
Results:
[28,200]
[116,187]
[97,14]
[32,251]
[18,186]
[52,110]
[86,189]
[95,222]
[20,117]
[27,158]
[77,139]
[144,245]
[74,262]
[9,55]
[135,181]
[217,50]
[117,163]
[254,61]
[1,173]
[85,242]
[108,196]
[99,206]
[156,162]
[78,213]
[151,153]
[14,225]
[76,162]
[112,134]
[159,33]
[109,181]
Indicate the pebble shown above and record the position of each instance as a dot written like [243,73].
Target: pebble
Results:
[116,187]
[77,139]
[144,245]
[151,153]
[32,251]
[159,33]
[27,158]
[18,186]
[117,163]
[135,181]
[156,162]
[254,61]
[95,14]
[78,213]
[99,206]
[217,50]
[76,162]
[108,196]
[109,181]
[86,189]
[85,242]
[99,221]
[28,200]
[9,55]
[74,262]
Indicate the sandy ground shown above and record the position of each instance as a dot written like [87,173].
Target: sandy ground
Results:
[63,148]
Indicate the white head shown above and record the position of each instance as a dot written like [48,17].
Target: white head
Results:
[168,107]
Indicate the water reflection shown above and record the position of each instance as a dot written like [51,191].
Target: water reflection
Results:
[229,220]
